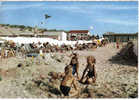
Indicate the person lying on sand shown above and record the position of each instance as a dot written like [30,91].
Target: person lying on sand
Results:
[67,83]
[91,75]
[75,65]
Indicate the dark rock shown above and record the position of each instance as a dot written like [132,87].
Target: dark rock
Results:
[55,91]
[134,95]
[20,65]
[99,94]
[59,60]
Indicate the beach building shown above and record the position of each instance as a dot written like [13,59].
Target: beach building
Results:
[122,37]
[26,34]
[59,35]
[78,35]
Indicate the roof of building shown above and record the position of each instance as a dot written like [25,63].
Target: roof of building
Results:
[78,31]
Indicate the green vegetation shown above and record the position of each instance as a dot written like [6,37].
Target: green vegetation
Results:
[0,78]
[22,27]
[29,28]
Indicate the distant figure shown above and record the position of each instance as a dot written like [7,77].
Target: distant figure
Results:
[6,53]
[0,55]
[91,75]
[75,65]
[41,53]
[122,44]
[117,45]
[67,82]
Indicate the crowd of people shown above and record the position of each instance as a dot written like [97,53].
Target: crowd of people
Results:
[70,76]
[10,49]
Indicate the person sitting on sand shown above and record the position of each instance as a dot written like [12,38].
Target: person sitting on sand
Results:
[75,65]
[91,75]
[59,75]
[67,82]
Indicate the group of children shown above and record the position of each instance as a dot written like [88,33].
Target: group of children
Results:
[6,53]
[69,79]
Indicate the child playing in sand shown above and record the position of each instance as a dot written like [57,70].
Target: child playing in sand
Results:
[67,82]
[91,75]
[75,65]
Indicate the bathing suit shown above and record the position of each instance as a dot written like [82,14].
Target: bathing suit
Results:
[90,72]
[65,90]
[74,69]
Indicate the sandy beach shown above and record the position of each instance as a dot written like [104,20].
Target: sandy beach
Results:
[116,78]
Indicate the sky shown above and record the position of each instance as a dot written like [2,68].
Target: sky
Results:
[98,17]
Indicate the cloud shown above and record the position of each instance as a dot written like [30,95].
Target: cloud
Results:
[16,7]
[112,7]
[44,7]
[0,3]
[118,21]
[78,9]
[89,8]
[13,8]
[86,8]
[71,8]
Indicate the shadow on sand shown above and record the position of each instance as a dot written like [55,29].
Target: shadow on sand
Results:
[50,88]
[118,59]
[126,56]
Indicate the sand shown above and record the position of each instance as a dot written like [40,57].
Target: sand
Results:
[115,77]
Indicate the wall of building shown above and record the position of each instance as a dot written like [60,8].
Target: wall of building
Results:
[78,36]
[121,38]
[63,36]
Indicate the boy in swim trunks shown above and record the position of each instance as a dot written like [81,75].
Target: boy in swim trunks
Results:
[91,75]
[75,65]
[67,82]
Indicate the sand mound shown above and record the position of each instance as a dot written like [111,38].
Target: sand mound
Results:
[130,51]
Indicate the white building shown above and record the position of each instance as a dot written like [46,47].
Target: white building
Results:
[59,35]
[78,34]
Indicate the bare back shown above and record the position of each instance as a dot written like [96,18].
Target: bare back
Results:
[68,80]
